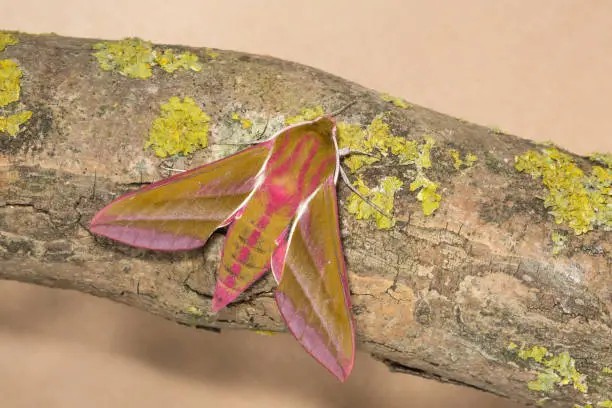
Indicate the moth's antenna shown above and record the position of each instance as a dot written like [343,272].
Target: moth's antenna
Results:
[345,107]
[354,190]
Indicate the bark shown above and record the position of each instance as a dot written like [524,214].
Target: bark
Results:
[439,296]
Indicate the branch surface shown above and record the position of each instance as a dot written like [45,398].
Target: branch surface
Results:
[440,296]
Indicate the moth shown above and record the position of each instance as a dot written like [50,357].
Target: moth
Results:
[278,200]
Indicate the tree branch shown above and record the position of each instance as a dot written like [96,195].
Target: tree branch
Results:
[440,296]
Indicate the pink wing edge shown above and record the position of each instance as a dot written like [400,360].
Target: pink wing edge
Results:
[186,243]
[329,362]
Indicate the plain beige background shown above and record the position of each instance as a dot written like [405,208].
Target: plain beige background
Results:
[539,69]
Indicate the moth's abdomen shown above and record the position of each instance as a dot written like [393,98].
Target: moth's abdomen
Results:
[250,242]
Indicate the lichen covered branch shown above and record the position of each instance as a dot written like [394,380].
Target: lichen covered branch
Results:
[495,270]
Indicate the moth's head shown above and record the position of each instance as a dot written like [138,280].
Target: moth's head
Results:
[325,125]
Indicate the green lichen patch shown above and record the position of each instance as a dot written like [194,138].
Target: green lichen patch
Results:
[132,57]
[170,62]
[12,124]
[383,196]
[10,81]
[602,158]
[423,161]
[7,39]
[194,311]
[181,128]
[399,102]
[407,151]
[582,202]
[559,240]
[265,332]
[305,115]
[135,58]
[244,122]
[212,54]
[467,161]
[379,136]
[553,369]
[427,194]
[353,137]
[376,138]
[607,370]
[605,404]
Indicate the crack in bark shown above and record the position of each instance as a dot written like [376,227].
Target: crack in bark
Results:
[401,368]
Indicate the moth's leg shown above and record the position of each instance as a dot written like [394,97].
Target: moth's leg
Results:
[168,165]
[260,134]
[354,190]
[345,151]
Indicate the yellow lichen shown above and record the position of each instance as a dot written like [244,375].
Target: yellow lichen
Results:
[559,241]
[132,57]
[245,123]
[170,62]
[306,115]
[11,124]
[264,332]
[383,196]
[553,369]
[7,39]
[353,137]
[468,161]
[536,353]
[455,154]
[375,138]
[406,150]
[379,136]
[181,128]
[607,370]
[423,161]
[430,200]
[135,58]
[195,311]
[602,158]
[212,54]
[10,76]
[399,102]
[605,404]
[582,202]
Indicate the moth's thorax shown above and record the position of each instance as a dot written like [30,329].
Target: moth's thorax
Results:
[302,158]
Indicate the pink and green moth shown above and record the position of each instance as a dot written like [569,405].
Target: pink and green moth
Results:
[278,199]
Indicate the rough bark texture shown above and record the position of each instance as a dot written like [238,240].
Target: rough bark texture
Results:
[440,296]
